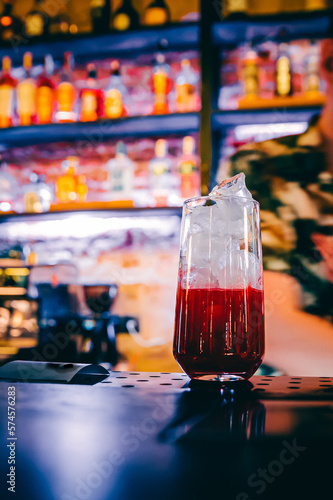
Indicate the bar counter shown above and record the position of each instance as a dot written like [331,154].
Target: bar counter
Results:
[160,436]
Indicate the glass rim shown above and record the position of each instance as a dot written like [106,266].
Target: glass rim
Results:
[203,198]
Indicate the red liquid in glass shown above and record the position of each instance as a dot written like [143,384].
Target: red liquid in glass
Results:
[219,331]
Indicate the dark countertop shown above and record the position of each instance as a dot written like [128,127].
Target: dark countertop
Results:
[154,436]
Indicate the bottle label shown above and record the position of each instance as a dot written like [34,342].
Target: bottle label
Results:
[89,105]
[113,104]
[26,95]
[313,82]
[121,22]
[283,78]
[66,188]
[45,99]
[185,97]
[117,180]
[159,168]
[160,82]
[6,103]
[160,86]
[34,25]
[251,79]
[32,203]
[66,96]
[155,15]
[187,168]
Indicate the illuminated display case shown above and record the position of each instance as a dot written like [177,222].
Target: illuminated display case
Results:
[242,102]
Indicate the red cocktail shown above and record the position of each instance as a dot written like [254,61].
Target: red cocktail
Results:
[219,331]
[219,324]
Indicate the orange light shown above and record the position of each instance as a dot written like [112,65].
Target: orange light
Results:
[11,290]
[73,29]
[6,21]
[64,27]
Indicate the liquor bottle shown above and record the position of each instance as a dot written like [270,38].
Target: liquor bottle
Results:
[91,97]
[121,173]
[100,12]
[126,17]
[315,5]
[251,74]
[114,94]
[61,23]
[283,72]
[10,26]
[156,13]
[68,184]
[312,63]
[7,88]
[26,94]
[161,178]
[9,190]
[45,101]
[188,169]
[236,9]
[36,21]
[37,195]
[161,84]
[66,94]
[81,188]
[186,83]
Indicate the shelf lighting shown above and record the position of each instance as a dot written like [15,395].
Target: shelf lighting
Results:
[269,130]
[85,226]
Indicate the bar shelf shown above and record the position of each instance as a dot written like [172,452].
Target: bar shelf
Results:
[280,27]
[134,126]
[173,37]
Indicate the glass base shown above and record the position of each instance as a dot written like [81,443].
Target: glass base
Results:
[224,377]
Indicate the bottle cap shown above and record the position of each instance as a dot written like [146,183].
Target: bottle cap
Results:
[160,58]
[115,68]
[27,60]
[33,177]
[121,148]
[68,60]
[161,148]
[91,70]
[6,63]
[188,145]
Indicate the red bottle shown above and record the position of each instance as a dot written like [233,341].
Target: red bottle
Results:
[45,92]
[161,86]
[7,86]
[91,97]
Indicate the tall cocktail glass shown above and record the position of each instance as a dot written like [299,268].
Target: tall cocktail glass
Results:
[219,323]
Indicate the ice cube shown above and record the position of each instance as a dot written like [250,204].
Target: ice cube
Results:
[238,269]
[235,186]
[216,233]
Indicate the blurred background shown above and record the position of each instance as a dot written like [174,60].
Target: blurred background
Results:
[111,115]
